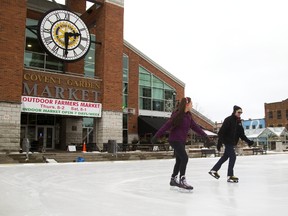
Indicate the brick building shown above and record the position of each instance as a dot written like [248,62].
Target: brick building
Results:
[276,114]
[100,97]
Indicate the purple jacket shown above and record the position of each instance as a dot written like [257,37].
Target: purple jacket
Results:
[180,133]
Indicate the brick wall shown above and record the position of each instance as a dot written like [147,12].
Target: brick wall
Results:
[109,31]
[12,34]
[78,6]
[274,107]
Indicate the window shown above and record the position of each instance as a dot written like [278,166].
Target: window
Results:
[89,60]
[270,115]
[145,91]
[35,57]
[287,114]
[125,61]
[154,94]
[88,130]
[279,116]
[144,77]
[260,126]
[253,126]
[145,103]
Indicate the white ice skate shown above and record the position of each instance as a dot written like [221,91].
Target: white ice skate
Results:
[174,183]
[184,186]
[232,179]
[214,174]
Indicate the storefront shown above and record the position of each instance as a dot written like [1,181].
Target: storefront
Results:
[67,76]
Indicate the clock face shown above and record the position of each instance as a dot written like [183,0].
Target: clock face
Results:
[64,35]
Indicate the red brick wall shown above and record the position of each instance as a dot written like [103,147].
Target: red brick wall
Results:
[78,6]
[12,40]
[203,123]
[274,107]
[109,31]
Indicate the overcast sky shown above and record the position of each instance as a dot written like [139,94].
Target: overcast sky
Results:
[227,52]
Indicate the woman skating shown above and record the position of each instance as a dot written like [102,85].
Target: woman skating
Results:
[178,125]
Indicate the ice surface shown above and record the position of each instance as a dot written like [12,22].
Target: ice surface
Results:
[142,188]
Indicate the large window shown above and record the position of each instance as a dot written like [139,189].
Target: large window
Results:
[154,94]
[125,81]
[35,57]
[89,60]
[125,96]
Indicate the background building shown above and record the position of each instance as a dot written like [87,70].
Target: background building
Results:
[253,124]
[101,97]
[276,114]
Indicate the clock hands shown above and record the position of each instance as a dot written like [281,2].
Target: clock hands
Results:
[67,36]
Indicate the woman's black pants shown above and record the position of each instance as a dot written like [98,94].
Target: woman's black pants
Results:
[181,158]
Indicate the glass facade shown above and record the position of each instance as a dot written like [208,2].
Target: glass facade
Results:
[154,94]
[89,60]
[125,97]
[35,57]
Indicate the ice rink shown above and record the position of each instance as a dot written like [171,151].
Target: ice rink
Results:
[142,188]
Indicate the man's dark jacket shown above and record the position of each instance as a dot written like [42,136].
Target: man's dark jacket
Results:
[230,132]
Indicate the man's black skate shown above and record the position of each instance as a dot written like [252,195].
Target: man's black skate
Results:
[233,179]
[174,182]
[184,185]
[214,174]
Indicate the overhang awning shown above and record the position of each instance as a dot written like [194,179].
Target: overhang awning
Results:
[209,133]
[150,125]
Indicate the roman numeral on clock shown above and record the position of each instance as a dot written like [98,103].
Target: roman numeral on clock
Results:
[57,16]
[84,38]
[81,47]
[55,48]
[67,16]
[48,40]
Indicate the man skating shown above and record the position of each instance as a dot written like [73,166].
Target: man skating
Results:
[229,134]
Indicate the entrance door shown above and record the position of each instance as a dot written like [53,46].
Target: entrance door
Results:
[46,136]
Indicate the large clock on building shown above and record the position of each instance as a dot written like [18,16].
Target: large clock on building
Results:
[64,35]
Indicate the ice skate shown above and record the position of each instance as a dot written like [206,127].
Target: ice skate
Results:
[174,183]
[232,179]
[214,174]
[183,185]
